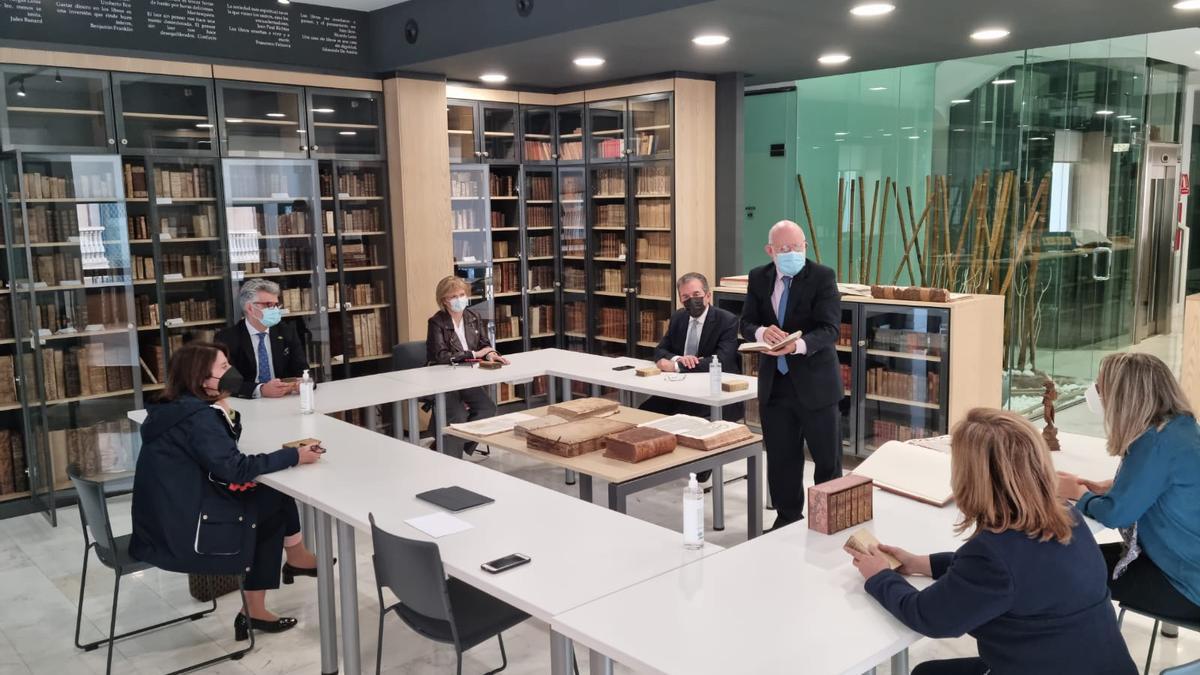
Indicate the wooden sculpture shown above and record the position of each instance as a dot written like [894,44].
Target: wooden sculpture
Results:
[1050,432]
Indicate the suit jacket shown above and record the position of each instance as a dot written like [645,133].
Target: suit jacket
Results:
[287,353]
[1034,607]
[441,342]
[718,336]
[815,307]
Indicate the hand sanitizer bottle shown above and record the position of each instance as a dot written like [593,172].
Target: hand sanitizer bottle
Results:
[307,394]
[693,515]
[714,377]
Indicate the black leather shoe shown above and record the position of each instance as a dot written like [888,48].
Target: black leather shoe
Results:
[241,628]
[289,573]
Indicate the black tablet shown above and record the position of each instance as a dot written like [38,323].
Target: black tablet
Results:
[454,498]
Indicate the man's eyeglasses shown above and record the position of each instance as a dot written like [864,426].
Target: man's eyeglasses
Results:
[268,305]
[787,249]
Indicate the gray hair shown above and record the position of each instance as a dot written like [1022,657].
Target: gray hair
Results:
[693,276]
[250,289]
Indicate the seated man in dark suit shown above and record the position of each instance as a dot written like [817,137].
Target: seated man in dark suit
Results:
[262,348]
[695,334]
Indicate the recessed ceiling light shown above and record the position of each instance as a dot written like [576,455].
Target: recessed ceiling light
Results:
[276,115]
[1125,117]
[589,61]
[234,120]
[914,138]
[887,135]
[710,40]
[322,110]
[988,122]
[833,59]
[957,101]
[960,129]
[841,133]
[348,133]
[493,77]
[1039,138]
[1104,113]
[905,128]
[302,131]
[986,34]
[839,140]
[285,2]
[873,9]
[878,89]
[1003,81]
[1188,5]
[203,126]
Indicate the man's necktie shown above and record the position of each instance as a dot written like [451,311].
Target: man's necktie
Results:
[264,359]
[693,339]
[782,312]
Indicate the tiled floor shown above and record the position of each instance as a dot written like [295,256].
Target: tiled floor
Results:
[39,584]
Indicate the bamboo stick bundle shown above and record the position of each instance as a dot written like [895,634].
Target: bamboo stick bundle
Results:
[912,220]
[927,272]
[812,232]
[947,247]
[979,247]
[906,261]
[1035,214]
[914,243]
[841,214]
[965,227]
[869,243]
[880,244]
[999,223]
[850,247]
[862,228]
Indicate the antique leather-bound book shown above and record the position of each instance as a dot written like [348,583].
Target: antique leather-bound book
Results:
[575,438]
[714,435]
[584,407]
[840,503]
[522,429]
[639,444]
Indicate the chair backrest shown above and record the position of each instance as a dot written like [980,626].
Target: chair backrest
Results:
[1192,668]
[93,515]
[408,355]
[413,571]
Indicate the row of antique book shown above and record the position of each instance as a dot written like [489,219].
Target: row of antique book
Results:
[506,277]
[507,324]
[354,254]
[80,185]
[286,220]
[463,184]
[188,310]
[186,264]
[76,370]
[352,183]
[75,309]
[357,294]
[502,185]
[541,277]
[250,183]
[12,462]
[176,226]
[652,325]
[613,322]
[192,183]
[538,215]
[883,382]
[355,220]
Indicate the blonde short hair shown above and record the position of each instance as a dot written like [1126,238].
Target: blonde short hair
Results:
[1139,393]
[448,286]
[1003,478]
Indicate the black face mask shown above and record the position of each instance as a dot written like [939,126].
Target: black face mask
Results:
[694,306]
[231,381]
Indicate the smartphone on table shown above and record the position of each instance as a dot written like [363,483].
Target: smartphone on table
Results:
[506,563]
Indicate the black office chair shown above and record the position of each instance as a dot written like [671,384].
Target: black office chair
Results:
[1191,668]
[446,611]
[408,355]
[113,553]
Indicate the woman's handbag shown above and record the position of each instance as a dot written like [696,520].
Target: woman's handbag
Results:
[208,587]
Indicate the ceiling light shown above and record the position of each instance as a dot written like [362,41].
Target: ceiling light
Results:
[203,125]
[988,122]
[960,129]
[302,131]
[233,120]
[21,89]
[878,89]
[1039,138]
[905,128]
[1104,113]
[887,135]
[710,40]
[1187,5]
[960,100]
[986,34]
[347,133]
[833,59]
[285,2]
[589,61]
[493,77]
[322,110]
[1125,117]
[841,133]
[276,115]
[1003,81]
[58,77]
[914,138]
[839,140]
[873,9]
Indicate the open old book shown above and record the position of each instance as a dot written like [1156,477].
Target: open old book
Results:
[492,425]
[699,433]
[764,347]
[910,470]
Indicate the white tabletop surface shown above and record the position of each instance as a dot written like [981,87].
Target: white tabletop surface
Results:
[802,610]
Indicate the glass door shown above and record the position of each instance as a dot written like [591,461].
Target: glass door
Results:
[607,122]
[270,215]
[470,221]
[573,244]
[345,124]
[651,118]
[165,115]
[460,125]
[504,206]
[609,205]
[540,246]
[569,132]
[259,120]
[654,252]
[499,132]
[59,109]
[906,391]
[537,135]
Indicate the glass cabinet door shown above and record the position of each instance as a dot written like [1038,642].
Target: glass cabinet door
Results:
[156,115]
[570,133]
[504,207]
[537,135]
[357,255]
[471,230]
[651,116]
[654,252]
[345,124]
[540,247]
[57,109]
[499,141]
[271,220]
[260,120]
[906,393]
[460,124]
[76,314]
[606,131]
[572,236]
[610,257]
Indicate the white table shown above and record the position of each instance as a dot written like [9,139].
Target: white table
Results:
[803,608]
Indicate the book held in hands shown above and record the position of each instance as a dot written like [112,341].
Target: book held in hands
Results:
[765,347]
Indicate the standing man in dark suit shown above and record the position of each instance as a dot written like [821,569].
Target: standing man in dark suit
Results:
[799,385]
[260,347]
[694,335]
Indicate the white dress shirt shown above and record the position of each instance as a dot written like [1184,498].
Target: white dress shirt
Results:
[254,348]
[699,330]
[776,295]
[462,335]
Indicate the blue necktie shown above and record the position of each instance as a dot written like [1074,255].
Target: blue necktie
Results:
[264,359]
[783,300]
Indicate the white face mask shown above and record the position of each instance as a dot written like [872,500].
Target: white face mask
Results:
[1092,395]
[459,303]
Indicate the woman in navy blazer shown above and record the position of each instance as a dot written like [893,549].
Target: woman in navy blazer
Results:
[1029,584]
[195,507]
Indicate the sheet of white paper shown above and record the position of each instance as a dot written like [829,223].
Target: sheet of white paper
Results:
[439,524]
[493,425]
[677,424]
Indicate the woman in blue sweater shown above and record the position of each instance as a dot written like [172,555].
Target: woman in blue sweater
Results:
[1155,497]
[1029,584]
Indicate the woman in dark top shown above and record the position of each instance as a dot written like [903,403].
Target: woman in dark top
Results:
[456,333]
[1029,584]
[195,506]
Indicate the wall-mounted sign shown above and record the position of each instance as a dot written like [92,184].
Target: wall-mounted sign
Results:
[1121,147]
[242,30]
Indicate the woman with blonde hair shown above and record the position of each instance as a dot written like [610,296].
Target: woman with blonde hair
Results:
[1029,583]
[456,334]
[1155,498]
